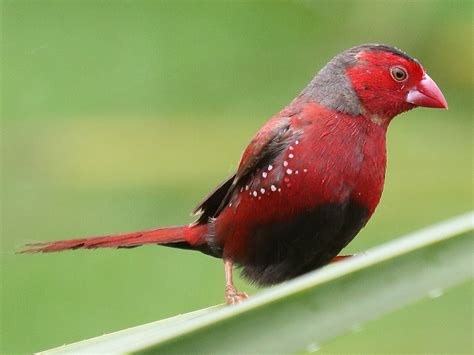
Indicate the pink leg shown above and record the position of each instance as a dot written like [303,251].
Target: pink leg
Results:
[232,296]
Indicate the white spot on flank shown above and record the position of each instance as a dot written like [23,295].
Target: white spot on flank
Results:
[270,167]
[262,190]
[305,170]
[296,172]
[279,190]
[273,188]
[246,187]
[285,163]
[241,189]
[230,204]
[264,174]
[290,147]
[291,156]
[254,193]
[297,142]
[289,171]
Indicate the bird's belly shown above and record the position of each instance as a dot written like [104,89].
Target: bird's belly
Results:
[296,213]
[276,252]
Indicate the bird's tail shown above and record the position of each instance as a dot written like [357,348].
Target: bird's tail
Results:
[189,236]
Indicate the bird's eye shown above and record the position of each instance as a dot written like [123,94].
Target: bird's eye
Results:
[398,74]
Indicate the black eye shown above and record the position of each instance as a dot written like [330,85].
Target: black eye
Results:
[398,74]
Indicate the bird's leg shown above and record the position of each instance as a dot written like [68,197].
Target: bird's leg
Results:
[341,257]
[232,296]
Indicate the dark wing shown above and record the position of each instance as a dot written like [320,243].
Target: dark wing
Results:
[209,205]
[268,143]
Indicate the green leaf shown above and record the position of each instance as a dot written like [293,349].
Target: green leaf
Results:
[300,314]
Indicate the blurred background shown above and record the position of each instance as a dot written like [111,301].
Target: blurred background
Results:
[121,115]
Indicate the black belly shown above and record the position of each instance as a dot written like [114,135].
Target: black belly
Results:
[281,251]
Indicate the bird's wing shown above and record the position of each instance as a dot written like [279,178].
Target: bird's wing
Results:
[268,143]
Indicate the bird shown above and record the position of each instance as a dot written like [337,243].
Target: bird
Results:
[309,180]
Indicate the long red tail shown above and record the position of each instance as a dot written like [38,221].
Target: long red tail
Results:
[191,235]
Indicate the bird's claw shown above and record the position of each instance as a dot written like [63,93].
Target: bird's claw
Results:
[232,296]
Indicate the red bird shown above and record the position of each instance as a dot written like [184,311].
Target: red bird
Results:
[309,180]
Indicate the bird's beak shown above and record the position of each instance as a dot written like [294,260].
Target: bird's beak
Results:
[427,94]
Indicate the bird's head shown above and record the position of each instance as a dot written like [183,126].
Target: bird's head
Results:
[376,81]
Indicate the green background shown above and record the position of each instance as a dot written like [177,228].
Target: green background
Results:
[121,115]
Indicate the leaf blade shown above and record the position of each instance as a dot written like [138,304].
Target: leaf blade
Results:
[306,311]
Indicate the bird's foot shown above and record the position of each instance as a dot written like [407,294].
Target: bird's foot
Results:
[341,257]
[232,296]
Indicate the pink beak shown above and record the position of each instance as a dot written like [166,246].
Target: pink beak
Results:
[427,94]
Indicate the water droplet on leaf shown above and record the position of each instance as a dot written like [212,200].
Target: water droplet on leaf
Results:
[435,293]
[312,348]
